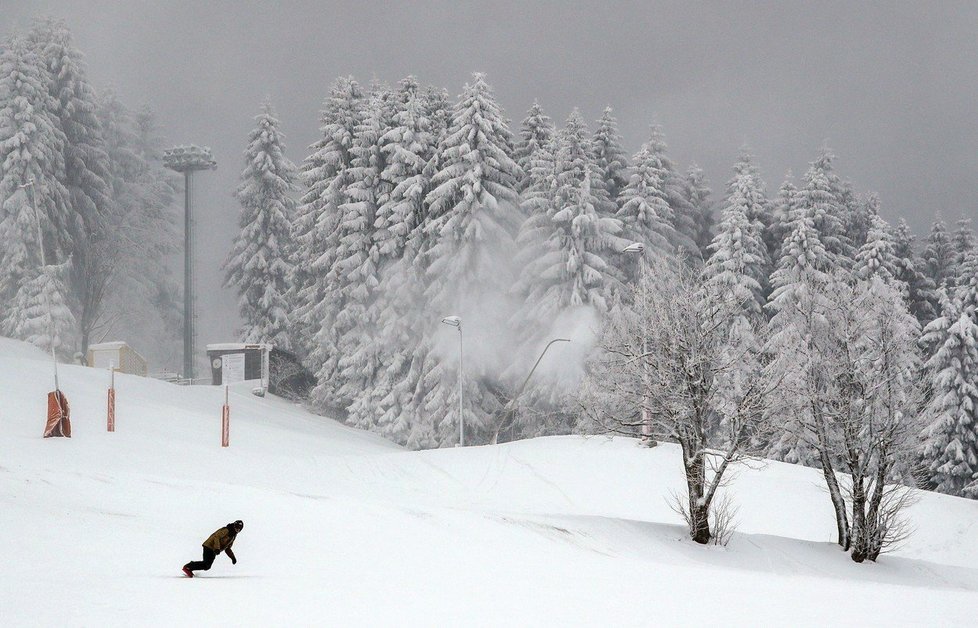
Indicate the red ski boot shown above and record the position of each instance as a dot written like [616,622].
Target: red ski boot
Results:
[188,573]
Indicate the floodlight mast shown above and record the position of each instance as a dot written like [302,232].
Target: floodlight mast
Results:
[187,160]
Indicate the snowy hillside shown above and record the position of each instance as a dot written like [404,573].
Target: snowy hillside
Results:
[343,528]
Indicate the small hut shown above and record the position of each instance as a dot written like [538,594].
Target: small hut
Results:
[116,354]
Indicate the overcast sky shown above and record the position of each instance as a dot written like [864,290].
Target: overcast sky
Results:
[891,87]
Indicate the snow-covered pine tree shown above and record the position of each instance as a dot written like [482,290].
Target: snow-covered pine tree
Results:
[934,334]
[575,154]
[745,165]
[966,292]
[953,303]
[697,195]
[324,175]
[794,306]
[803,259]
[758,209]
[963,242]
[438,109]
[851,210]
[644,211]
[746,190]
[820,201]
[538,202]
[31,150]
[351,283]
[566,248]
[86,168]
[407,147]
[731,288]
[921,295]
[260,262]
[737,264]
[390,406]
[474,213]
[570,268]
[783,211]
[475,187]
[413,371]
[363,232]
[39,313]
[609,156]
[951,439]
[536,131]
[20,253]
[859,218]
[682,217]
[939,255]
[535,242]
[967,298]
[574,166]
[876,257]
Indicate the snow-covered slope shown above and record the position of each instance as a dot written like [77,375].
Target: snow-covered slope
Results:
[343,528]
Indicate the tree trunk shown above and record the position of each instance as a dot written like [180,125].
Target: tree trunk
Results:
[859,538]
[699,510]
[875,526]
[835,494]
[699,527]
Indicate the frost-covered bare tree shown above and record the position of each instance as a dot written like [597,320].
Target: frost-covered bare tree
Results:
[878,441]
[846,365]
[667,352]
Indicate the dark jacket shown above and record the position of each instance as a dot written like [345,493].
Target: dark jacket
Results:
[221,540]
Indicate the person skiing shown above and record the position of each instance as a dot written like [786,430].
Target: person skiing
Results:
[220,541]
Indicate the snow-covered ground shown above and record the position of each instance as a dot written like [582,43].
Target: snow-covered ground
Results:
[343,528]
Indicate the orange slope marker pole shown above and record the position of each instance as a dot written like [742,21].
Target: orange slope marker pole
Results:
[225,421]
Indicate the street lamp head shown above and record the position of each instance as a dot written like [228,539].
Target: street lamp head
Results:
[454,321]
[634,247]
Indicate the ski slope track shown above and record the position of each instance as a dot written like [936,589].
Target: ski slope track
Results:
[342,528]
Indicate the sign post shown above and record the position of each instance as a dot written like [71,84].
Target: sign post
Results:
[225,420]
[232,368]
[111,406]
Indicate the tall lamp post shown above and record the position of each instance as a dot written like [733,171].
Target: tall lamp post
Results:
[188,159]
[637,248]
[511,406]
[456,322]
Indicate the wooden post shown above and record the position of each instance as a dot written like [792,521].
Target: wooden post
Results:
[111,407]
[225,420]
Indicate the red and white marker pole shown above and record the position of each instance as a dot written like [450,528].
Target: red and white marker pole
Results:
[110,415]
[225,420]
